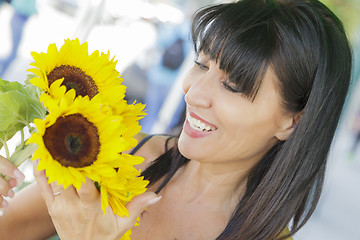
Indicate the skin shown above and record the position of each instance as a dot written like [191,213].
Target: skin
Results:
[200,197]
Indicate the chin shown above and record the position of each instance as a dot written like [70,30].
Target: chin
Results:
[185,146]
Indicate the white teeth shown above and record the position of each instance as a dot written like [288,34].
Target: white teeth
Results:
[198,125]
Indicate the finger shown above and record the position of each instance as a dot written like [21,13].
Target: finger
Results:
[42,181]
[10,170]
[59,191]
[139,203]
[3,203]
[88,192]
[56,188]
[5,189]
[12,183]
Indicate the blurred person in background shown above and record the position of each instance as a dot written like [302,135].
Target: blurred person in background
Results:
[173,45]
[4,1]
[23,10]
[160,66]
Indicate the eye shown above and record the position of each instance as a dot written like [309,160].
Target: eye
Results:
[201,65]
[231,87]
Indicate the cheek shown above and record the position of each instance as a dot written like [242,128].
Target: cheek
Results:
[255,125]
[248,138]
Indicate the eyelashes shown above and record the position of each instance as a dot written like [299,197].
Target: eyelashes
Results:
[227,84]
[200,65]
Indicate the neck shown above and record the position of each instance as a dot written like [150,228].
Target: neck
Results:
[219,183]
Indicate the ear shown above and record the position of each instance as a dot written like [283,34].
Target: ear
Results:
[287,126]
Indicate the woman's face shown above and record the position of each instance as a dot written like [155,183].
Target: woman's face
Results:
[224,126]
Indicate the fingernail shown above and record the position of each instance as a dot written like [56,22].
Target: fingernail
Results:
[19,176]
[153,201]
[4,204]
[12,183]
[11,193]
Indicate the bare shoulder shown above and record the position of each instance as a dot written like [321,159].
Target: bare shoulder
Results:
[152,148]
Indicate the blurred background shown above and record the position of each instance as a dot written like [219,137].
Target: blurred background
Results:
[150,41]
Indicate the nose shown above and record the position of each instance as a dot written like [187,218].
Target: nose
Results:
[198,90]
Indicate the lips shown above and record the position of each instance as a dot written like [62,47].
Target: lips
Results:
[197,127]
[198,123]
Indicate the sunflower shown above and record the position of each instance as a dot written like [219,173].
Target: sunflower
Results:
[126,236]
[87,74]
[117,191]
[130,116]
[77,140]
[121,188]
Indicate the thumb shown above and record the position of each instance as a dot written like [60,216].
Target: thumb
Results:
[139,204]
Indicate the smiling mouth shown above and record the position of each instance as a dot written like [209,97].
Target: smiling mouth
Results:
[198,124]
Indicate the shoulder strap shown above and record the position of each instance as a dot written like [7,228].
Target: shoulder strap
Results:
[147,138]
[140,144]
[167,141]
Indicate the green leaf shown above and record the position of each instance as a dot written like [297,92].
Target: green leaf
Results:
[6,86]
[13,109]
[19,106]
[10,132]
[5,136]
[37,109]
[33,91]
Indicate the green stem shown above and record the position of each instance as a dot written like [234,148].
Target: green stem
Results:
[22,143]
[27,124]
[7,152]
[19,157]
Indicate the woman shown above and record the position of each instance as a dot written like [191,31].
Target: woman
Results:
[263,101]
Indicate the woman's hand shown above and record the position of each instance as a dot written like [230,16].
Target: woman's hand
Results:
[10,177]
[77,215]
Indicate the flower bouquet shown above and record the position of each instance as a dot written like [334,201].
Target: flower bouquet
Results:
[83,124]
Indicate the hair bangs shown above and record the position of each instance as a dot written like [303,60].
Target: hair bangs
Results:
[242,44]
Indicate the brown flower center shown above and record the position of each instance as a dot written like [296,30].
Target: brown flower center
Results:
[74,78]
[72,141]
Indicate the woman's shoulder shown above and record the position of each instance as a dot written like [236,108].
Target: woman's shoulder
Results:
[150,147]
